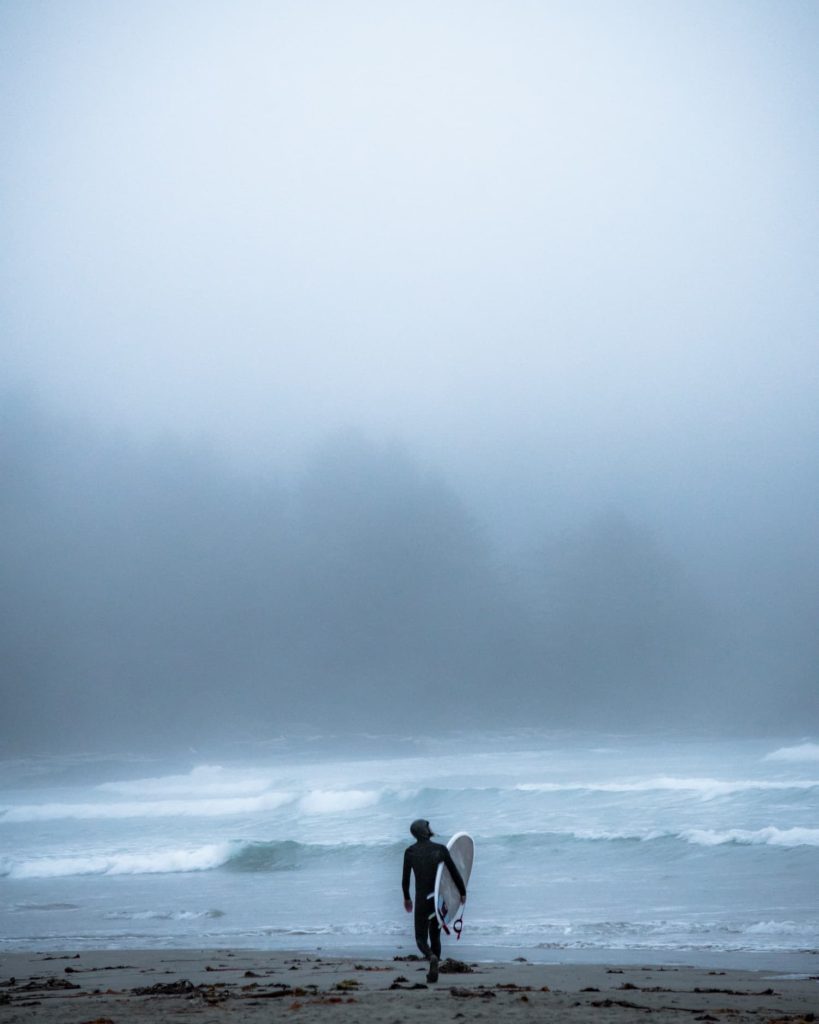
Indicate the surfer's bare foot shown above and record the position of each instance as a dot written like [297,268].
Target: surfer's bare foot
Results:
[432,973]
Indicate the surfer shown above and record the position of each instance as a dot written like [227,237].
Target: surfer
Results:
[423,858]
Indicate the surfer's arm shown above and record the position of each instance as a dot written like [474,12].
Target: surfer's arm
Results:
[456,874]
[405,877]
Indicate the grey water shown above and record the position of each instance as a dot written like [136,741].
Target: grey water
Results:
[587,846]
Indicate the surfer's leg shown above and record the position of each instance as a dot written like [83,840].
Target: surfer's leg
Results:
[422,928]
[435,936]
[434,930]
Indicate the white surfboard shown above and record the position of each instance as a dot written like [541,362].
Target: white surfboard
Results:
[447,898]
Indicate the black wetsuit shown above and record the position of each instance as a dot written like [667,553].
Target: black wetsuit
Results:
[423,858]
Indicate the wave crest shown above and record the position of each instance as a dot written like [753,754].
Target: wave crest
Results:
[274,855]
[204,780]
[203,858]
[801,752]
[318,801]
[208,808]
[770,836]
[163,915]
[331,801]
[704,787]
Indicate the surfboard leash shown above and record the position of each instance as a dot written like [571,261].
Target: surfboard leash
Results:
[457,924]
[441,915]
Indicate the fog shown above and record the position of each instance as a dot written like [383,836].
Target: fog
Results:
[360,360]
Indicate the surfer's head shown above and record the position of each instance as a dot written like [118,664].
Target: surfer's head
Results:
[421,830]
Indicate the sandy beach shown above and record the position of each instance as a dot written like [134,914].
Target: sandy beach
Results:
[135,986]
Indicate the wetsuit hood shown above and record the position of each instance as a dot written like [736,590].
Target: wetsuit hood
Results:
[421,830]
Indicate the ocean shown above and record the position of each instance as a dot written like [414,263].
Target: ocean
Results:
[587,847]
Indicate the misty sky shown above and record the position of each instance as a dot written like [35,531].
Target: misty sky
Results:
[574,228]
[562,254]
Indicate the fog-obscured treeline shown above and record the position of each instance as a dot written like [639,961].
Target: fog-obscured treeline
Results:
[153,594]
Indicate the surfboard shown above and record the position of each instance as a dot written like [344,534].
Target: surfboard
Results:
[447,898]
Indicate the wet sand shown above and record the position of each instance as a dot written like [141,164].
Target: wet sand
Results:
[141,986]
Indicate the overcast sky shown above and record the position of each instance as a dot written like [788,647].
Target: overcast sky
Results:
[537,273]
[507,234]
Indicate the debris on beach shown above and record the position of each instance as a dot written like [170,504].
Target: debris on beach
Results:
[451,966]
[472,993]
[182,987]
[46,985]
[347,985]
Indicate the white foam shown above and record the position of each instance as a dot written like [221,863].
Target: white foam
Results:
[203,781]
[704,787]
[209,808]
[202,858]
[317,801]
[605,835]
[330,801]
[162,915]
[770,836]
[802,752]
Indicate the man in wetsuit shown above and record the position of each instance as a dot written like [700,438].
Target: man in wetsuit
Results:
[423,858]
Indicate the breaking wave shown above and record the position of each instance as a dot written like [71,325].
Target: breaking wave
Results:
[202,781]
[203,858]
[706,788]
[275,855]
[318,801]
[214,792]
[330,801]
[770,836]
[213,808]
[163,915]
[288,855]
[801,752]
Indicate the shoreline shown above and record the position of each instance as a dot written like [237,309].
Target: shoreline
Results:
[137,986]
[784,961]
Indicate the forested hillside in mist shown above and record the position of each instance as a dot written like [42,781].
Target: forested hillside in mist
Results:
[153,595]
